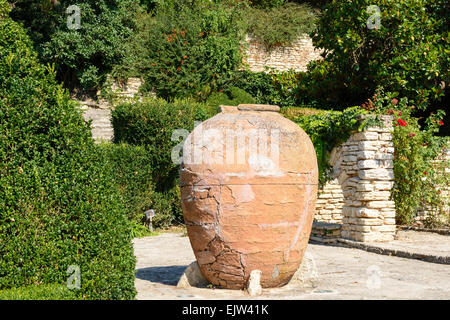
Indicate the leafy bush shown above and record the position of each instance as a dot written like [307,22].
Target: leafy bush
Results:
[83,56]
[277,88]
[232,97]
[185,49]
[279,25]
[58,206]
[42,292]
[132,175]
[267,4]
[407,54]
[132,172]
[151,124]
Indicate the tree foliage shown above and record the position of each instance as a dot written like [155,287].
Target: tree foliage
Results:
[408,53]
[83,56]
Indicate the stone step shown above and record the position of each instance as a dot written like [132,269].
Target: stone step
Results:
[325,232]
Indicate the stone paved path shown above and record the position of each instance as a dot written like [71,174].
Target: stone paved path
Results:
[343,273]
[425,246]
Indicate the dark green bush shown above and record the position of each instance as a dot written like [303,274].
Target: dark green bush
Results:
[151,124]
[132,172]
[278,88]
[82,57]
[58,205]
[407,54]
[231,97]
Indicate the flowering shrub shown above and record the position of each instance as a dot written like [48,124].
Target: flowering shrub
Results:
[186,50]
[418,179]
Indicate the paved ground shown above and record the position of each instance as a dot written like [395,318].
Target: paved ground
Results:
[426,246]
[343,273]
[419,242]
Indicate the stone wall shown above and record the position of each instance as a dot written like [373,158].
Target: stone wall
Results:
[296,56]
[363,168]
[366,174]
[100,111]
[127,89]
[330,202]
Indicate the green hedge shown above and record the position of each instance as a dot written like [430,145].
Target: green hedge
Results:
[151,124]
[131,169]
[273,87]
[58,204]
[147,128]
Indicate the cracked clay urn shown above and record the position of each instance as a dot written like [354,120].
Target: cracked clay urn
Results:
[248,189]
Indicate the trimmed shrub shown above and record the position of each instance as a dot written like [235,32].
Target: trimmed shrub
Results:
[278,88]
[42,292]
[132,172]
[151,124]
[58,205]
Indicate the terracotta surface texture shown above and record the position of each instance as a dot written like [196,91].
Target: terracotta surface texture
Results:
[248,189]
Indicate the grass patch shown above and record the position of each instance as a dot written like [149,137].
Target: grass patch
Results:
[41,292]
[141,231]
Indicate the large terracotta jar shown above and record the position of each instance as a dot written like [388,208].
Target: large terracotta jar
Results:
[248,189]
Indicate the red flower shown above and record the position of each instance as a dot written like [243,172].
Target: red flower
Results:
[400,113]
[441,123]
[412,134]
[426,173]
[394,101]
[402,122]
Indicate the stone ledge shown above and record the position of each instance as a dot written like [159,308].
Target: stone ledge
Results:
[379,249]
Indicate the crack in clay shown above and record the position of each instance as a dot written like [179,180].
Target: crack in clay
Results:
[225,274]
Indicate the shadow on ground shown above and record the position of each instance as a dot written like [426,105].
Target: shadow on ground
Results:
[168,275]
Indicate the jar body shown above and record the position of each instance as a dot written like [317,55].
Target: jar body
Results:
[248,190]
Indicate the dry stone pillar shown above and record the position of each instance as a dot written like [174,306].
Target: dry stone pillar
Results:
[365,172]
